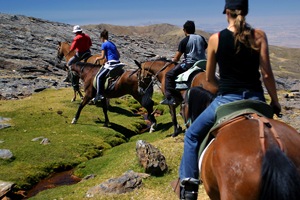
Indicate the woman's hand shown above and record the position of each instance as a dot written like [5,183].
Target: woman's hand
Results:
[276,108]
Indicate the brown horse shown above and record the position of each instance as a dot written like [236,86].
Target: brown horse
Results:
[252,157]
[63,50]
[158,69]
[129,82]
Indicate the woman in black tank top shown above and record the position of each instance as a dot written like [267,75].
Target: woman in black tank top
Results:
[240,52]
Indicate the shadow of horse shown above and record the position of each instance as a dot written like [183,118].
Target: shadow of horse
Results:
[122,111]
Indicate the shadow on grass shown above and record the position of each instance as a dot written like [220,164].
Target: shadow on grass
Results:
[122,111]
[123,130]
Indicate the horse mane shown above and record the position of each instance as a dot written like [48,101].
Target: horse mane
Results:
[160,58]
[198,99]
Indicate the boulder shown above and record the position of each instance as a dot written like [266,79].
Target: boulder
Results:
[151,158]
[129,181]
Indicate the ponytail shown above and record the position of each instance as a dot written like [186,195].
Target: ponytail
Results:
[244,32]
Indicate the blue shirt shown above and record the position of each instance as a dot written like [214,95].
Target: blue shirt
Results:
[111,52]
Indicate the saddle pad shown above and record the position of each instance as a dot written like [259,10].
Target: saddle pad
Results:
[202,155]
[112,75]
[95,79]
[199,65]
[231,110]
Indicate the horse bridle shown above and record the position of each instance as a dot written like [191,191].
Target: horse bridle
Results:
[154,76]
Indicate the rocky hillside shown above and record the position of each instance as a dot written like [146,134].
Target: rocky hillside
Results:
[28,47]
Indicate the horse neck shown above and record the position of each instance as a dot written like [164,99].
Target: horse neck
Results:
[155,68]
[66,50]
[85,70]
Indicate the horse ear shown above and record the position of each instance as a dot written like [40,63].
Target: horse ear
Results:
[59,43]
[138,64]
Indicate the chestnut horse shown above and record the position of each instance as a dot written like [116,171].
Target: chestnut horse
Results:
[129,82]
[63,50]
[158,69]
[252,156]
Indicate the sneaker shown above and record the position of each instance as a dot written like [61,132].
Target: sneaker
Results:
[98,98]
[168,102]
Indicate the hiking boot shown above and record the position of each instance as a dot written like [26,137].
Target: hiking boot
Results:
[170,102]
[189,189]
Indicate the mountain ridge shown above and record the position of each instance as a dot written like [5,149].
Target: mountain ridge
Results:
[29,47]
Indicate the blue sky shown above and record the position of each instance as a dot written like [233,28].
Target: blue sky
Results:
[276,17]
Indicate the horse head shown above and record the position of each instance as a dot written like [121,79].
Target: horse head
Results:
[155,67]
[60,53]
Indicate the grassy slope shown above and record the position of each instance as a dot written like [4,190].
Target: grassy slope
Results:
[77,144]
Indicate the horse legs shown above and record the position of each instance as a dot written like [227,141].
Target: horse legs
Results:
[151,117]
[177,128]
[75,84]
[81,105]
[105,108]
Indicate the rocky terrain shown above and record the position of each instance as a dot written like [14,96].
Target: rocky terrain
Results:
[28,60]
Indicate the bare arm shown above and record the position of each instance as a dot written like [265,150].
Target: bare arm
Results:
[177,56]
[266,69]
[211,60]
[102,56]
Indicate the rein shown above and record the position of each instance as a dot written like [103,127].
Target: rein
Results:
[155,75]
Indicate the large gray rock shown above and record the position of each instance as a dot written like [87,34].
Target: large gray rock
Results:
[151,158]
[129,181]
[6,154]
[5,187]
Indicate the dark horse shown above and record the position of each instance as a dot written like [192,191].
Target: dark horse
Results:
[129,82]
[159,68]
[252,156]
[63,50]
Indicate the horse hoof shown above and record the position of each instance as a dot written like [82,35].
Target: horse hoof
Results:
[152,128]
[74,121]
[177,132]
[72,100]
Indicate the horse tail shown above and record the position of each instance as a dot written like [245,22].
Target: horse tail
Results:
[280,178]
[198,99]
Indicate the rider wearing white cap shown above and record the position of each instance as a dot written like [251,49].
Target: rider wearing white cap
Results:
[81,43]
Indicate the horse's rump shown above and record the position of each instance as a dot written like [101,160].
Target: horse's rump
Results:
[235,158]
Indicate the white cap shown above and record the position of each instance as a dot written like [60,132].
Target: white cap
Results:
[76,29]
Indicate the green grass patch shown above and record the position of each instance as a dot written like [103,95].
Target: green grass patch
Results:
[86,146]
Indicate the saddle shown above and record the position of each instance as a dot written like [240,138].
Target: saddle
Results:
[184,80]
[230,112]
[111,78]
[86,56]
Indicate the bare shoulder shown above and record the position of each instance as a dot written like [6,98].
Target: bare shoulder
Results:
[214,37]
[259,34]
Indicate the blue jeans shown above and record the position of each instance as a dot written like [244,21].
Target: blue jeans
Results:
[201,126]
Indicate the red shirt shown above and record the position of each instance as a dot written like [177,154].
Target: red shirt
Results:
[81,43]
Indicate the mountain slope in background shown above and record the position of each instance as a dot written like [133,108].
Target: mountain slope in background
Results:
[29,47]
